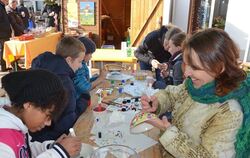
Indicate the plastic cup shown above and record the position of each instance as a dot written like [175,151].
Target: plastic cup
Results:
[100,113]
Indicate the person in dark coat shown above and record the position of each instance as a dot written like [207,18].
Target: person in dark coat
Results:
[24,14]
[5,31]
[153,50]
[15,20]
[68,58]
[53,11]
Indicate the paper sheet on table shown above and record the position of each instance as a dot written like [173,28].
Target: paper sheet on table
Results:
[139,88]
[120,134]
[118,76]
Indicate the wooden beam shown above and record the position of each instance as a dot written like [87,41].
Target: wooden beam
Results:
[62,16]
[146,22]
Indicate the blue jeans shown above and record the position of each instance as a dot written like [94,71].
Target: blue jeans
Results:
[145,66]
[159,85]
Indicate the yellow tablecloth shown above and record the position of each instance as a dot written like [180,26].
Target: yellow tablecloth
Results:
[30,49]
[115,55]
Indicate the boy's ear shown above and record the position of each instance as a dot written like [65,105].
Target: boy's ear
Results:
[179,48]
[68,60]
[27,105]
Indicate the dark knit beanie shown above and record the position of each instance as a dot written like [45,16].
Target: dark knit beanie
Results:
[89,45]
[40,87]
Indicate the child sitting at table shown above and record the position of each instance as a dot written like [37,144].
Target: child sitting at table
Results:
[36,98]
[172,72]
[64,63]
[82,81]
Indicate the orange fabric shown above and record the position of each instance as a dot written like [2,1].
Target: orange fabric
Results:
[30,49]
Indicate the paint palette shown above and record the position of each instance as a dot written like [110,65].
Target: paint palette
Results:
[138,124]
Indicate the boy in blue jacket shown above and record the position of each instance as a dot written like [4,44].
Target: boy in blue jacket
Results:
[82,81]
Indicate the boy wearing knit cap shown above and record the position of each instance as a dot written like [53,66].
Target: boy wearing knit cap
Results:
[83,83]
[37,97]
[68,58]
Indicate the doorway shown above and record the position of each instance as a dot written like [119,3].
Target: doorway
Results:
[115,21]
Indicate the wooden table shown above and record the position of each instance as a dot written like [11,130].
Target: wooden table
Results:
[84,124]
[113,55]
[30,49]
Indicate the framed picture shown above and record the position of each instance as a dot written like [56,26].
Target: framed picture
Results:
[87,13]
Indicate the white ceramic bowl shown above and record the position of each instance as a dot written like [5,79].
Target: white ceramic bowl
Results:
[100,116]
[143,127]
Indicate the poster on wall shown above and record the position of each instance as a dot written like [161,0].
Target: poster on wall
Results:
[87,13]
[72,11]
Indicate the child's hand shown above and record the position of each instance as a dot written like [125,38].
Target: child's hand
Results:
[155,63]
[2,92]
[149,104]
[103,74]
[161,124]
[52,14]
[164,73]
[71,144]
[163,66]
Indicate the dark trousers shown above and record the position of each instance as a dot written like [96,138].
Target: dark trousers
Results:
[159,85]
[145,66]
[82,104]
[2,62]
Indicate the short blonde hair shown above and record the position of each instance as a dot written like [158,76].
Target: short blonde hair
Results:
[70,47]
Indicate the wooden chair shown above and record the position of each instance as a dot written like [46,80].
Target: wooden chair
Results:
[116,67]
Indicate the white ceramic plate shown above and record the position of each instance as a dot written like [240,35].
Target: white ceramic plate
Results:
[143,127]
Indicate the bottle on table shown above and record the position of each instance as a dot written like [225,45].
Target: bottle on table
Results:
[129,50]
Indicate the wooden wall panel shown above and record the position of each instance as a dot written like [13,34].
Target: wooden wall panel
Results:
[94,29]
[145,15]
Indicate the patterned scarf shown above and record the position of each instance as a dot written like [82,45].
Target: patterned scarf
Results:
[206,94]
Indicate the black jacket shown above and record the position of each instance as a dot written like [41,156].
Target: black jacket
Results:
[15,21]
[26,17]
[175,69]
[49,9]
[152,47]
[5,29]
[57,65]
